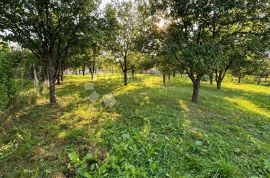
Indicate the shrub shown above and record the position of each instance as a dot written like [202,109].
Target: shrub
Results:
[8,87]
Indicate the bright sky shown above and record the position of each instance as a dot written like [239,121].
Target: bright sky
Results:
[104,2]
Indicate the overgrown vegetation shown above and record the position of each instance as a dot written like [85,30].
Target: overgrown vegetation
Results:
[105,123]
[9,70]
[150,132]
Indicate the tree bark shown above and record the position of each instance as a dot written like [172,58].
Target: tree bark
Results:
[133,73]
[92,70]
[174,73]
[219,84]
[62,75]
[59,73]
[92,75]
[220,74]
[211,76]
[83,70]
[196,81]
[125,70]
[58,79]
[164,79]
[258,80]
[36,83]
[196,87]
[125,78]
[239,78]
[219,78]
[52,84]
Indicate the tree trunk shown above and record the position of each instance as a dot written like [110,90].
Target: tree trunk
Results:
[211,76]
[196,87]
[83,70]
[62,75]
[92,75]
[211,81]
[164,78]
[258,80]
[92,70]
[125,70]
[219,77]
[219,84]
[52,85]
[174,73]
[36,83]
[133,73]
[125,78]
[239,78]
[58,79]
[169,77]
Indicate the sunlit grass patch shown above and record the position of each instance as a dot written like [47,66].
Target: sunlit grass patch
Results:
[183,106]
[249,106]
[251,88]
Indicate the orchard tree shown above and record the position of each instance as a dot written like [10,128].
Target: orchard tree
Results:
[107,62]
[262,69]
[91,45]
[48,28]
[199,31]
[240,68]
[235,26]
[253,58]
[122,23]
[136,61]
[90,57]
[228,56]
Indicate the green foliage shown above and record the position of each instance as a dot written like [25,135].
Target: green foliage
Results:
[207,36]
[49,29]
[123,28]
[76,136]
[20,145]
[8,85]
[133,155]
[83,166]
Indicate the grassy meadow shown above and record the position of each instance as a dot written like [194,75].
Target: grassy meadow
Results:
[153,130]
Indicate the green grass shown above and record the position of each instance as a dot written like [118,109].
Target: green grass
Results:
[152,131]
